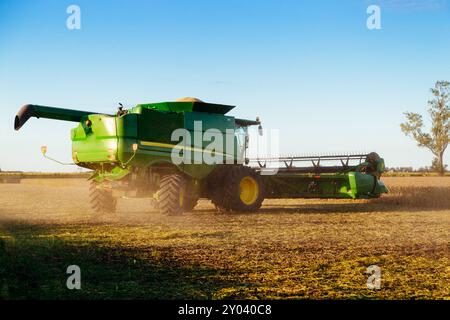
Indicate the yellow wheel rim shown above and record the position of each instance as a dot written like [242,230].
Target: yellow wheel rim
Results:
[249,190]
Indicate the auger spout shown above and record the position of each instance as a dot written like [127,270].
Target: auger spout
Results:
[31,110]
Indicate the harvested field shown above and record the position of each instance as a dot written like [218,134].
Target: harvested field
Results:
[290,249]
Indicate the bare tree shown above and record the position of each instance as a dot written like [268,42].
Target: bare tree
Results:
[439,137]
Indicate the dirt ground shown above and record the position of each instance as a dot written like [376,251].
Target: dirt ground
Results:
[318,249]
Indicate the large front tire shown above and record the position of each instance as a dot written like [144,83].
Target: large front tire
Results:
[242,190]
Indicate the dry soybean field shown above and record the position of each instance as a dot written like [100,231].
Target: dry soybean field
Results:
[290,249]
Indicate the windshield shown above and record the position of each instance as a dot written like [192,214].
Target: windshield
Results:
[241,134]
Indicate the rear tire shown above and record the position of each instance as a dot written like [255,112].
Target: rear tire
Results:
[101,200]
[171,194]
[242,190]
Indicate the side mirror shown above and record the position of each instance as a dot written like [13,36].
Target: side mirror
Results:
[44,150]
[260,129]
[134,147]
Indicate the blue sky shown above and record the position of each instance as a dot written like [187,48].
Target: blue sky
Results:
[309,68]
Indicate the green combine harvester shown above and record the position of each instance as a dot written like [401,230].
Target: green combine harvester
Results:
[153,151]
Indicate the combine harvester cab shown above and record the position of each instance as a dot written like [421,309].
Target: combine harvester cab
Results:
[131,153]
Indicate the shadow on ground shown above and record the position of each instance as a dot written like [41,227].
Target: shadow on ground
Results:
[33,266]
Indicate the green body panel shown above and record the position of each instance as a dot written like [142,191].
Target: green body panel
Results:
[97,143]
[109,139]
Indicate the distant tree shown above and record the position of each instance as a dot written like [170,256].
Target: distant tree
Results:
[439,137]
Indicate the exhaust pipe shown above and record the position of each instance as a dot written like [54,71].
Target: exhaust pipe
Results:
[32,110]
